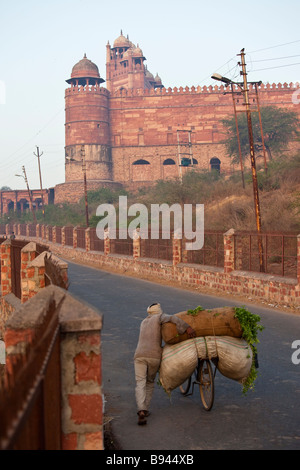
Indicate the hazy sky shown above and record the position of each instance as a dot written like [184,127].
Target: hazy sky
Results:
[183,41]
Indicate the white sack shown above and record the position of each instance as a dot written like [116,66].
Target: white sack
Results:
[179,360]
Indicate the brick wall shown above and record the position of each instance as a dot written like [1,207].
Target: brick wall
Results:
[139,124]
[80,361]
[228,280]
[80,330]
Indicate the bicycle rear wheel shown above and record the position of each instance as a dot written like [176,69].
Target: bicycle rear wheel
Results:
[206,384]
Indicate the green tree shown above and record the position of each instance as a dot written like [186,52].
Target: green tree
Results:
[279,128]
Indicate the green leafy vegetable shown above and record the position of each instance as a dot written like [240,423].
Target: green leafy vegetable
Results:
[250,327]
[195,311]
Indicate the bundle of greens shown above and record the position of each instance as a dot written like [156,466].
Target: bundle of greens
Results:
[250,326]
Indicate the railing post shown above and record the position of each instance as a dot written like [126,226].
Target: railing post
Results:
[47,228]
[27,230]
[37,230]
[229,262]
[88,239]
[5,250]
[107,244]
[63,236]
[54,234]
[177,249]
[75,237]
[28,254]
[136,244]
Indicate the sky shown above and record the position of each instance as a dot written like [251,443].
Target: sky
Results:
[185,42]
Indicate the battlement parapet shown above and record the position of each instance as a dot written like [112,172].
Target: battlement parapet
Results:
[200,89]
[95,89]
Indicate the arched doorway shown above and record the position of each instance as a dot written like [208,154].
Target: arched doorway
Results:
[215,164]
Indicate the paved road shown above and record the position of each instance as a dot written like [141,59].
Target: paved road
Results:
[267,418]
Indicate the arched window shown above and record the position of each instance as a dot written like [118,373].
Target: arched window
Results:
[169,161]
[141,162]
[195,162]
[215,164]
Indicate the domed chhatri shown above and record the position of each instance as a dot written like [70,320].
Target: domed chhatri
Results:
[121,41]
[83,70]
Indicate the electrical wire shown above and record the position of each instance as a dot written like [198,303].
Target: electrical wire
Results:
[273,47]
[277,58]
[276,67]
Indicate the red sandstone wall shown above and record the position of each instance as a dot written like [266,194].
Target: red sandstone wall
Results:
[144,124]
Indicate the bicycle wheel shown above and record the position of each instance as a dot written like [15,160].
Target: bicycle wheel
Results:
[206,384]
[185,387]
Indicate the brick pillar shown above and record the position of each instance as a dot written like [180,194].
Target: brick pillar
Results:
[28,254]
[15,229]
[47,228]
[298,259]
[74,237]
[7,229]
[54,234]
[63,236]
[27,230]
[136,244]
[82,400]
[177,250]
[88,239]
[37,230]
[43,232]
[35,274]
[19,229]
[107,244]
[229,261]
[5,250]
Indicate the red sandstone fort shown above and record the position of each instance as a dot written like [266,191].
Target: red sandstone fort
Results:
[130,130]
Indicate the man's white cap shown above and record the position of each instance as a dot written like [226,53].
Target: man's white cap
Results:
[154,309]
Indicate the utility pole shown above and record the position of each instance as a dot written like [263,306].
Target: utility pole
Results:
[261,128]
[38,155]
[85,185]
[29,194]
[238,135]
[252,158]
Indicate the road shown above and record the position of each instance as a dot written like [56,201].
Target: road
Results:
[266,418]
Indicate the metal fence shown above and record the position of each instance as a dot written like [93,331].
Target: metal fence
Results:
[30,412]
[69,236]
[156,246]
[58,235]
[120,245]
[32,230]
[212,252]
[97,244]
[279,253]
[81,237]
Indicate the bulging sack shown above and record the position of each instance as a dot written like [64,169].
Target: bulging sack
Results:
[179,360]
[177,364]
[215,322]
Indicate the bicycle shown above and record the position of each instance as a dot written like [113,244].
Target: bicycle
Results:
[204,377]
